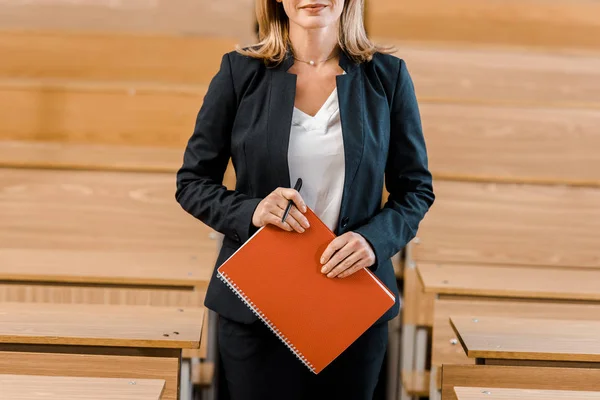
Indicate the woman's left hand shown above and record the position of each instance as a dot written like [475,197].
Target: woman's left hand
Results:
[346,255]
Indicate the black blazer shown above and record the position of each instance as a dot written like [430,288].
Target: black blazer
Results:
[247,116]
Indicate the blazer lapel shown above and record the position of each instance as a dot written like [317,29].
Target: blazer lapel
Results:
[279,122]
[350,94]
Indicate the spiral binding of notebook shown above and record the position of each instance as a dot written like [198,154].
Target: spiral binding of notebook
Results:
[266,320]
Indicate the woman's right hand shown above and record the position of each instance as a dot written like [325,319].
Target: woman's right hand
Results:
[270,211]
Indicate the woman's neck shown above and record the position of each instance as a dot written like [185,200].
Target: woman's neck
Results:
[317,45]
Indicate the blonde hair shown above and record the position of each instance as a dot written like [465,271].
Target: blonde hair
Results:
[274,40]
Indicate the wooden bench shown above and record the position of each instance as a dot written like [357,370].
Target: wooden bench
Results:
[484,393]
[102,341]
[532,348]
[108,57]
[31,387]
[529,341]
[556,24]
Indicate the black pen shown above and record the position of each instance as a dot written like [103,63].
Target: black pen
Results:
[297,188]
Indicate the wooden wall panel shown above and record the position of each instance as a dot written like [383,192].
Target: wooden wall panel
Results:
[540,23]
[511,224]
[114,114]
[111,56]
[513,144]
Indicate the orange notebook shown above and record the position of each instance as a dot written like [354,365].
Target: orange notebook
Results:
[277,274]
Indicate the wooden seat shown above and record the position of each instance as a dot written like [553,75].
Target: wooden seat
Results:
[203,373]
[98,340]
[506,339]
[116,113]
[510,224]
[556,24]
[416,383]
[471,393]
[108,57]
[30,387]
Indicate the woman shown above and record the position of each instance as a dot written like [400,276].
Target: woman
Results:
[314,99]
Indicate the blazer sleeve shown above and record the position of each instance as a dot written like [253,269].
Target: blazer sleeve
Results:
[407,177]
[200,190]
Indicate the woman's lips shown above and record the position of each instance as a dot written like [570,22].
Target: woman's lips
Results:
[314,8]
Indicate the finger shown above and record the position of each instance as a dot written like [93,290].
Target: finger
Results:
[290,220]
[344,265]
[353,269]
[276,220]
[291,194]
[336,259]
[298,216]
[334,246]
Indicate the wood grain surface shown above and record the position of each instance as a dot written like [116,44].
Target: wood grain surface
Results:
[100,325]
[81,156]
[68,293]
[186,18]
[474,75]
[111,56]
[32,387]
[513,338]
[577,379]
[510,281]
[101,211]
[512,144]
[117,113]
[446,348]
[418,305]
[531,23]
[193,269]
[470,393]
[95,365]
[511,224]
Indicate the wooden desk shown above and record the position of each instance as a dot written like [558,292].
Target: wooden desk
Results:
[178,269]
[505,341]
[98,341]
[525,353]
[31,387]
[471,393]
[510,281]
[463,289]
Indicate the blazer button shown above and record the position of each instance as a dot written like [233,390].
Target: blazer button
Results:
[236,237]
[345,221]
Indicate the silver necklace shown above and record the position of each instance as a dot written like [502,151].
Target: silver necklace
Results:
[313,63]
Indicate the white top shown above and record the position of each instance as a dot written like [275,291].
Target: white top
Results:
[316,154]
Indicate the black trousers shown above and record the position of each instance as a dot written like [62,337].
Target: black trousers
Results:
[258,366]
